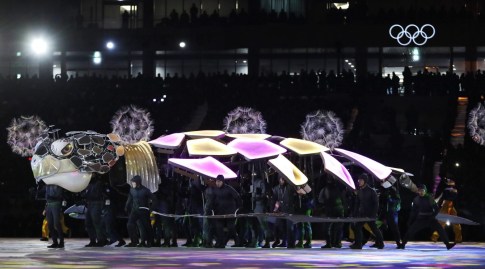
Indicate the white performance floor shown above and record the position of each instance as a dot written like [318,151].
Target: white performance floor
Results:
[32,253]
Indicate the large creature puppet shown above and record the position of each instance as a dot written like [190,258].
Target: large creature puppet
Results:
[70,161]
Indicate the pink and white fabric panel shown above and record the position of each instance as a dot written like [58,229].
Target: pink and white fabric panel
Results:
[377,169]
[207,166]
[253,149]
[337,169]
[171,141]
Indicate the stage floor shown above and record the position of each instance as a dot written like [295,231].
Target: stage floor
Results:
[32,253]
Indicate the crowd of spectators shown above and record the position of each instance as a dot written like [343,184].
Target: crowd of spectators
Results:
[74,102]
[84,92]
[235,17]
[354,14]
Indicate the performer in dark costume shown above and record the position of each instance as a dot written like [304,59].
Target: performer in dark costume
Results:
[332,198]
[246,228]
[260,202]
[283,201]
[40,195]
[94,204]
[140,196]
[108,216]
[223,200]
[392,204]
[208,225]
[195,206]
[367,205]
[450,194]
[423,216]
[54,197]
[165,226]
[304,206]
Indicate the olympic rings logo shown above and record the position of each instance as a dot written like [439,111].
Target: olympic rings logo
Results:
[412,33]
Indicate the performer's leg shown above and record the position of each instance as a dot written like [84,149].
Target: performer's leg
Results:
[109,226]
[89,226]
[45,230]
[187,230]
[377,233]
[132,228]
[280,233]
[299,234]
[327,232]
[441,231]
[156,223]
[220,234]
[267,232]
[456,227]
[444,210]
[307,227]
[336,234]
[254,230]
[168,227]
[231,230]
[65,229]
[392,223]
[207,232]
[457,232]
[56,219]
[351,232]
[191,230]
[146,232]
[416,226]
[358,235]
[290,233]
[50,222]
[240,230]
[96,212]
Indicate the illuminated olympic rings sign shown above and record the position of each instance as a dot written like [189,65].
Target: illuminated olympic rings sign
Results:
[412,33]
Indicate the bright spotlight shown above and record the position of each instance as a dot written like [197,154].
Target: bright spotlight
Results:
[164,96]
[39,46]
[182,44]
[97,57]
[110,45]
[457,164]
[415,55]
[154,100]
[448,223]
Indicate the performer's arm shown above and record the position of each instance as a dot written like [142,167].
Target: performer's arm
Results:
[128,203]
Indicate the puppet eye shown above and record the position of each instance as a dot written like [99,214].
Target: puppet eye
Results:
[67,149]
[62,148]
